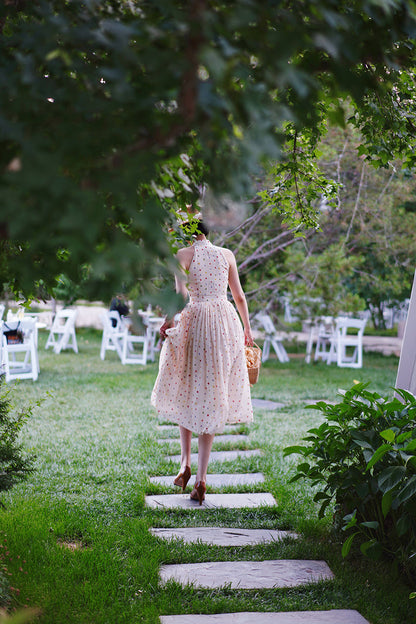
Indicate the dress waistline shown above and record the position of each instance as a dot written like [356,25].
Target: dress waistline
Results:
[207,299]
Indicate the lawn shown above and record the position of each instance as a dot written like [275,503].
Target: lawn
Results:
[76,532]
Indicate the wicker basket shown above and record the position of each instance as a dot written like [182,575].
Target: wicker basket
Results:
[253,359]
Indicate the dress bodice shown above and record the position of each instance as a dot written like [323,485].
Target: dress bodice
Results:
[208,273]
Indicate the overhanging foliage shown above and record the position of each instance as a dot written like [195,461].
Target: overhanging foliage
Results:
[99,99]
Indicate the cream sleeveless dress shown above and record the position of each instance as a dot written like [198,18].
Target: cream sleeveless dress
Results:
[203,381]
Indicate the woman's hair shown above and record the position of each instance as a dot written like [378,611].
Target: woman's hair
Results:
[202,228]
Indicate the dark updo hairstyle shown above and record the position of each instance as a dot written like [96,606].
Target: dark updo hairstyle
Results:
[202,228]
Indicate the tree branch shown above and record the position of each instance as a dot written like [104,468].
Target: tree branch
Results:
[187,97]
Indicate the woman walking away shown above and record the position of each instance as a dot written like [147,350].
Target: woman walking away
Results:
[203,381]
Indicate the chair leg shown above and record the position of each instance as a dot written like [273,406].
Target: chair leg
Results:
[266,350]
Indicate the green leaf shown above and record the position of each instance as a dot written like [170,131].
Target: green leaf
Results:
[362,439]
[346,547]
[380,452]
[323,508]
[411,446]
[321,496]
[404,523]
[388,434]
[407,492]
[303,467]
[386,503]
[372,549]
[351,520]
[294,449]
[390,477]
[404,436]
[370,524]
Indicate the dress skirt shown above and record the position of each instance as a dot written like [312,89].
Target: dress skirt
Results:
[203,381]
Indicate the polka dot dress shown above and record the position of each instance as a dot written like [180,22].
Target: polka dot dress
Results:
[203,381]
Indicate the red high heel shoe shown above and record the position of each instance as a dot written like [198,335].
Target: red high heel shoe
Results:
[183,477]
[198,493]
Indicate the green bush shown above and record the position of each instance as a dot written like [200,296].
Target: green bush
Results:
[363,457]
[14,464]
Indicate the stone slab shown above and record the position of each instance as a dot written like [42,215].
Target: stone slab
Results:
[220,536]
[218,455]
[221,439]
[248,574]
[335,616]
[218,480]
[212,501]
[265,404]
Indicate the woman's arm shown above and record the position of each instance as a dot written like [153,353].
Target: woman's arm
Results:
[180,284]
[239,296]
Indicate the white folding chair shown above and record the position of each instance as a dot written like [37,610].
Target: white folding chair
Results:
[272,339]
[19,360]
[323,340]
[133,348]
[2,307]
[346,349]
[62,334]
[153,324]
[113,333]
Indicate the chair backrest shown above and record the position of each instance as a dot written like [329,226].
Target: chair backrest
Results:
[64,317]
[26,326]
[112,321]
[325,325]
[267,322]
[343,324]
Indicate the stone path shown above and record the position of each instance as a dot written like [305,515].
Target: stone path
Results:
[212,501]
[247,574]
[277,573]
[221,536]
[217,480]
[335,616]
[264,404]
[220,456]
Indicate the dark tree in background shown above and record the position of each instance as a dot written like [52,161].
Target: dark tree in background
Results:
[112,113]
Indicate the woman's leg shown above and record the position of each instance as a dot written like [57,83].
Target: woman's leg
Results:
[205,441]
[186,438]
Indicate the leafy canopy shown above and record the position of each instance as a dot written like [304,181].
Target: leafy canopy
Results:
[112,111]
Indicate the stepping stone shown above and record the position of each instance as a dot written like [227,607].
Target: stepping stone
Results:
[219,536]
[167,428]
[264,404]
[218,455]
[335,616]
[218,480]
[247,574]
[212,501]
[228,438]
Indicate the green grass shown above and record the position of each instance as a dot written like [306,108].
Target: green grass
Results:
[81,528]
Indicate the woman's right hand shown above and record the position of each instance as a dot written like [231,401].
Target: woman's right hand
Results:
[166,325]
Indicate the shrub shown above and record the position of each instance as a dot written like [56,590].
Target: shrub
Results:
[363,457]
[14,464]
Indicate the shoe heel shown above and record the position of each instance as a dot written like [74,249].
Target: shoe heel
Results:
[201,489]
[182,479]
